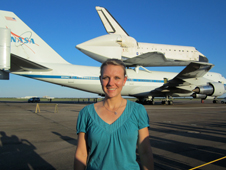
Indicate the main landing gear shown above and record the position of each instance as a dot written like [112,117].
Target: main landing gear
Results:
[168,101]
[151,101]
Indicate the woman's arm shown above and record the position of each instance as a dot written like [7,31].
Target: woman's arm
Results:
[144,148]
[81,153]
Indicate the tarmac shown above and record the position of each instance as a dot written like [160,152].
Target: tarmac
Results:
[183,136]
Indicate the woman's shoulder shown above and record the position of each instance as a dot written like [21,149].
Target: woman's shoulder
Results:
[136,109]
[134,105]
[87,109]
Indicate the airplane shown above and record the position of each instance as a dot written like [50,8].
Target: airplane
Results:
[24,53]
[118,44]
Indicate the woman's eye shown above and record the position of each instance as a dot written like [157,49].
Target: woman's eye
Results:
[104,78]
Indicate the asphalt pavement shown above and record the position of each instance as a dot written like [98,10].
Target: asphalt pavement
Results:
[184,135]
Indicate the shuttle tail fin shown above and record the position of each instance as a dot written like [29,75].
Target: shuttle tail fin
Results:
[25,44]
[109,22]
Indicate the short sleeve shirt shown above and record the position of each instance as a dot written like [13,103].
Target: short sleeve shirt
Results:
[112,146]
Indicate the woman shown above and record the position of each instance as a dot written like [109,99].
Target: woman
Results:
[108,131]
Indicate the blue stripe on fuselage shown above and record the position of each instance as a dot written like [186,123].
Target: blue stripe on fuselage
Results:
[86,78]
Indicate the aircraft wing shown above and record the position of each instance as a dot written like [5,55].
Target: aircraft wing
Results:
[193,70]
[154,59]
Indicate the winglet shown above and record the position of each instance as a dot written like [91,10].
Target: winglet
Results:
[109,22]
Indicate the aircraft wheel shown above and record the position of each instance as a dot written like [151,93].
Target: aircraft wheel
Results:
[163,102]
[215,101]
[170,102]
[222,102]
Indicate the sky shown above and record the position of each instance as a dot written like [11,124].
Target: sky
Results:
[63,24]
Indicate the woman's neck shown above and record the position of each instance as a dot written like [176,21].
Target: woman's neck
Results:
[113,102]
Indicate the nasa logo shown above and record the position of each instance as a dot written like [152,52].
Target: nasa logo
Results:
[23,40]
[20,39]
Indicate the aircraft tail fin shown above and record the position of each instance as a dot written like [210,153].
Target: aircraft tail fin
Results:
[109,22]
[25,43]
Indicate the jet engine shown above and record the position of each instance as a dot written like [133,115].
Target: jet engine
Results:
[211,89]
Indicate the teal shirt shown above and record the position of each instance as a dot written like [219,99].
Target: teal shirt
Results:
[112,146]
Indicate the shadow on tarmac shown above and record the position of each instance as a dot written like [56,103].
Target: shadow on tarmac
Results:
[18,153]
[67,138]
[202,152]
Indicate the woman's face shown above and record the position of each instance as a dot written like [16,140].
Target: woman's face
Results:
[112,80]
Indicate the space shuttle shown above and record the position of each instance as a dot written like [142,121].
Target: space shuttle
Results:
[118,44]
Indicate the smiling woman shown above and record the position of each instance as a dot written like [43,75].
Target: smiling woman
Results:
[110,130]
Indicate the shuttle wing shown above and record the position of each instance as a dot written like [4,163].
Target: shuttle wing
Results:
[154,59]
[193,70]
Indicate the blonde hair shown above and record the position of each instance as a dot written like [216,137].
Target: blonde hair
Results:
[115,62]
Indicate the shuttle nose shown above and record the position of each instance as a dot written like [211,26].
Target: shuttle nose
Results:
[80,46]
[101,48]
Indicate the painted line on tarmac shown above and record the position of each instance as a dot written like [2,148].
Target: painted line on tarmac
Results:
[208,163]
[183,108]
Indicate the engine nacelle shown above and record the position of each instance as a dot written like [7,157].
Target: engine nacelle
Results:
[212,89]
[199,96]
[219,89]
[207,89]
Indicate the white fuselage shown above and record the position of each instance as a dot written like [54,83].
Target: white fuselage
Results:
[139,84]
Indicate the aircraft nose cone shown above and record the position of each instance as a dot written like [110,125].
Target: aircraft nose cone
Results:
[101,48]
[80,46]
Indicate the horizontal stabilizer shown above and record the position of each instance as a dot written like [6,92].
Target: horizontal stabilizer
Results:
[19,64]
[109,22]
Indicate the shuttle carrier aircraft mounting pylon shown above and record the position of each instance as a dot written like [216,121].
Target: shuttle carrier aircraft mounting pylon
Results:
[24,53]
[118,44]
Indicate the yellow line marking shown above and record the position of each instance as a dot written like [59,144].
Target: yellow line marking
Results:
[208,163]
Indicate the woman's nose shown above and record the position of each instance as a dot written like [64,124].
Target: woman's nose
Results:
[111,81]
